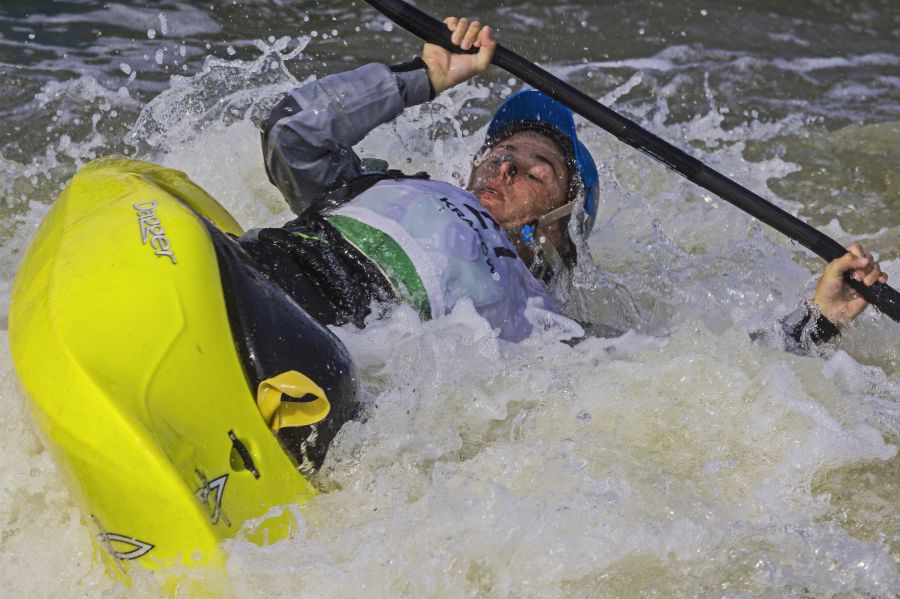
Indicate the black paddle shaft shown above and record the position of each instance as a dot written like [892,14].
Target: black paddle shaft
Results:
[882,296]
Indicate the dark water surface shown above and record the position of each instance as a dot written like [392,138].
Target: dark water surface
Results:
[820,65]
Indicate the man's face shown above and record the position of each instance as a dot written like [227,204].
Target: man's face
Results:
[522,178]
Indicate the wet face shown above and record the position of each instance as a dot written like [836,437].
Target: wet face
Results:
[521,179]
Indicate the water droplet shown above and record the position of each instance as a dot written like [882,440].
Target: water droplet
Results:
[151,33]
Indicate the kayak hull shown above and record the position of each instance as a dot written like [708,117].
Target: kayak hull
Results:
[121,337]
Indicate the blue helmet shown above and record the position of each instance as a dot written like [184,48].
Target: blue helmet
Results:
[531,109]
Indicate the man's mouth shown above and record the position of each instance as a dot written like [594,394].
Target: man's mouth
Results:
[488,192]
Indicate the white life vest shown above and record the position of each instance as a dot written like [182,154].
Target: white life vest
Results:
[436,244]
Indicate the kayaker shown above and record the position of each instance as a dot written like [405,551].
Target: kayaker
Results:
[368,235]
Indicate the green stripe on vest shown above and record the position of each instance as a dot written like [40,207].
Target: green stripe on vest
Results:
[381,249]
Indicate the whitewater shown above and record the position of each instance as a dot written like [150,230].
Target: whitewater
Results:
[687,455]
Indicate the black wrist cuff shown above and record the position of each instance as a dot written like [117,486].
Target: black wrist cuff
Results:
[414,65]
[822,331]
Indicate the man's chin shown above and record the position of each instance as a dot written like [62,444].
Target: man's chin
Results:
[493,206]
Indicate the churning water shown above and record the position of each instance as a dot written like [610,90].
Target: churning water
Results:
[680,458]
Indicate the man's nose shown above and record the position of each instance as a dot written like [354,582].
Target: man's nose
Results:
[508,169]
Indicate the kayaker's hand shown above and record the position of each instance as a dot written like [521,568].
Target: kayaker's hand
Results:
[446,69]
[837,301]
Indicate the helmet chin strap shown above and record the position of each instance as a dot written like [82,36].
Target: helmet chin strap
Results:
[532,228]
[556,214]
[529,231]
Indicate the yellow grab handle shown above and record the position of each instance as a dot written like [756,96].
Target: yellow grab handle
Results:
[291,399]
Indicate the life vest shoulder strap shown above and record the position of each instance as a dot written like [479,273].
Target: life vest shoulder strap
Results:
[350,189]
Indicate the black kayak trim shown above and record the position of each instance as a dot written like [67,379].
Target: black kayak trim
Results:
[273,334]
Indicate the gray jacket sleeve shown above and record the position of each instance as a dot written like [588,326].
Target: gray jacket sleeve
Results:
[309,136]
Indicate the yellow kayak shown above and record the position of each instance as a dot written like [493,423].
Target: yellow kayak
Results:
[175,387]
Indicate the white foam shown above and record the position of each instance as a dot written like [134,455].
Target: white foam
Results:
[810,64]
[477,477]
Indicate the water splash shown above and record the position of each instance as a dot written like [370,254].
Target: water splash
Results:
[680,460]
[223,92]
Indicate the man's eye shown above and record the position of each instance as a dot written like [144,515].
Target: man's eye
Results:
[534,178]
